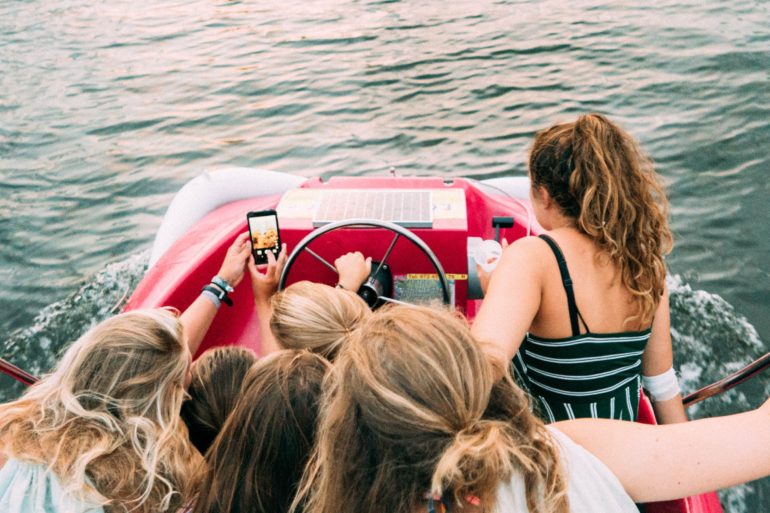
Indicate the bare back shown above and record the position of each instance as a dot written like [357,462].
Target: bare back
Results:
[601,298]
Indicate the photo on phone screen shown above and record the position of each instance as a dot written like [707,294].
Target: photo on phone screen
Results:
[263,230]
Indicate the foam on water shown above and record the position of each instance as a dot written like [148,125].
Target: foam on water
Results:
[35,348]
[710,341]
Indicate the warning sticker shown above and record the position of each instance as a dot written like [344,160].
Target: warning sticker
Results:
[449,276]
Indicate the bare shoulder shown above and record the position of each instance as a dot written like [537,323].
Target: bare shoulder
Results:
[528,246]
[529,249]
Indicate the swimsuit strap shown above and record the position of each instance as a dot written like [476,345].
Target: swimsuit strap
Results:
[574,313]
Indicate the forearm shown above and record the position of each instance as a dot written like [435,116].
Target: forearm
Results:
[196,321]
[268,342]
[657,463]
[670,411]
[510,304]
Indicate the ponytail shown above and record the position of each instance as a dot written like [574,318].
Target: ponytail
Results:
[412,407]
[316,317]
[597,175]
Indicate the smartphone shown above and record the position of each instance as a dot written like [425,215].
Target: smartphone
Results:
[264,234]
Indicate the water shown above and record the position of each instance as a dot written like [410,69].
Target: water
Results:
[107,108]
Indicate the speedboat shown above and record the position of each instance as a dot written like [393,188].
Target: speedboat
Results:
[422,233]
[422,230]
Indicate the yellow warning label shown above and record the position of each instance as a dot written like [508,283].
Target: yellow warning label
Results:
[456,277]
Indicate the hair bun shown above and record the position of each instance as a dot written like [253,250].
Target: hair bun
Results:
[479,457]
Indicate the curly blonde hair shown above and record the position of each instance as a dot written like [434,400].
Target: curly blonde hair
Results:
[599,176]
[407,412]
[106,421]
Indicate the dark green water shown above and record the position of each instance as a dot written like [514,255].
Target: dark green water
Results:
[107,108]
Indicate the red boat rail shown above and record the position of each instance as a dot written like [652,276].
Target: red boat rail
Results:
[728,382]
[16,373]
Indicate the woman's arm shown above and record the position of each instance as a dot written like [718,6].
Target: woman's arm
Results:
[656,463]
[512,299]
[197,318]
[658,358]
[263,286]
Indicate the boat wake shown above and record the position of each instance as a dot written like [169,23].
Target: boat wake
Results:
[36,348]
[711,340]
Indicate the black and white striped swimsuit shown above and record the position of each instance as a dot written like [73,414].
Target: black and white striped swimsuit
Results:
[585,375]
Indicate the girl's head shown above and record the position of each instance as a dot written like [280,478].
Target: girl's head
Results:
[406,414]
[316,317]
[257,460]
[217,377]
[110,410]
[598,176]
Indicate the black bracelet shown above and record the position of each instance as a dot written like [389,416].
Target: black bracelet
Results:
[221,294]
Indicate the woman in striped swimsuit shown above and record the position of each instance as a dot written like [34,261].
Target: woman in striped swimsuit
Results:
[583,311]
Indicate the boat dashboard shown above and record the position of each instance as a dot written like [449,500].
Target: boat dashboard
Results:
[423,230]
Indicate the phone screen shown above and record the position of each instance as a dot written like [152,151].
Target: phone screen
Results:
[263,229]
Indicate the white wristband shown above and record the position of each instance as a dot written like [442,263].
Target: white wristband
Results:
[663,386]
[212,297]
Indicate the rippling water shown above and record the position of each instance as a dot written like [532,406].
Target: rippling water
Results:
[107,108]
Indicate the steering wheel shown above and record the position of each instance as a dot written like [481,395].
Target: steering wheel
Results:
[399,231]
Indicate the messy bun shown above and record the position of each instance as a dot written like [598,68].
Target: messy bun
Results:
[598,175]
[316,317]
[407,413]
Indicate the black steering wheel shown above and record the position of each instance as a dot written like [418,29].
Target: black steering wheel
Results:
[371,290]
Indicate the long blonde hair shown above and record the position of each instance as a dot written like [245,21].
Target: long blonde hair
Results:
[599,176]
[106,421]
[316,317]
[407,412]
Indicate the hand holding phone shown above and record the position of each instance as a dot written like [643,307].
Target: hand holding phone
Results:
[264,234]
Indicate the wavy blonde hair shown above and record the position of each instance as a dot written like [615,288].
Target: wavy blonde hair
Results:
[106,421]
[407,412]
[316,317]
[599,176]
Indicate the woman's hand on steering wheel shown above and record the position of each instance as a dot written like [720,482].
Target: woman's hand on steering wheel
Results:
[264,284]
[353,270]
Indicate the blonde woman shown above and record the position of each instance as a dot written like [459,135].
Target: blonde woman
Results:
[414,419]
[316,317]
[583,310]
[309,315]
[102,432]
